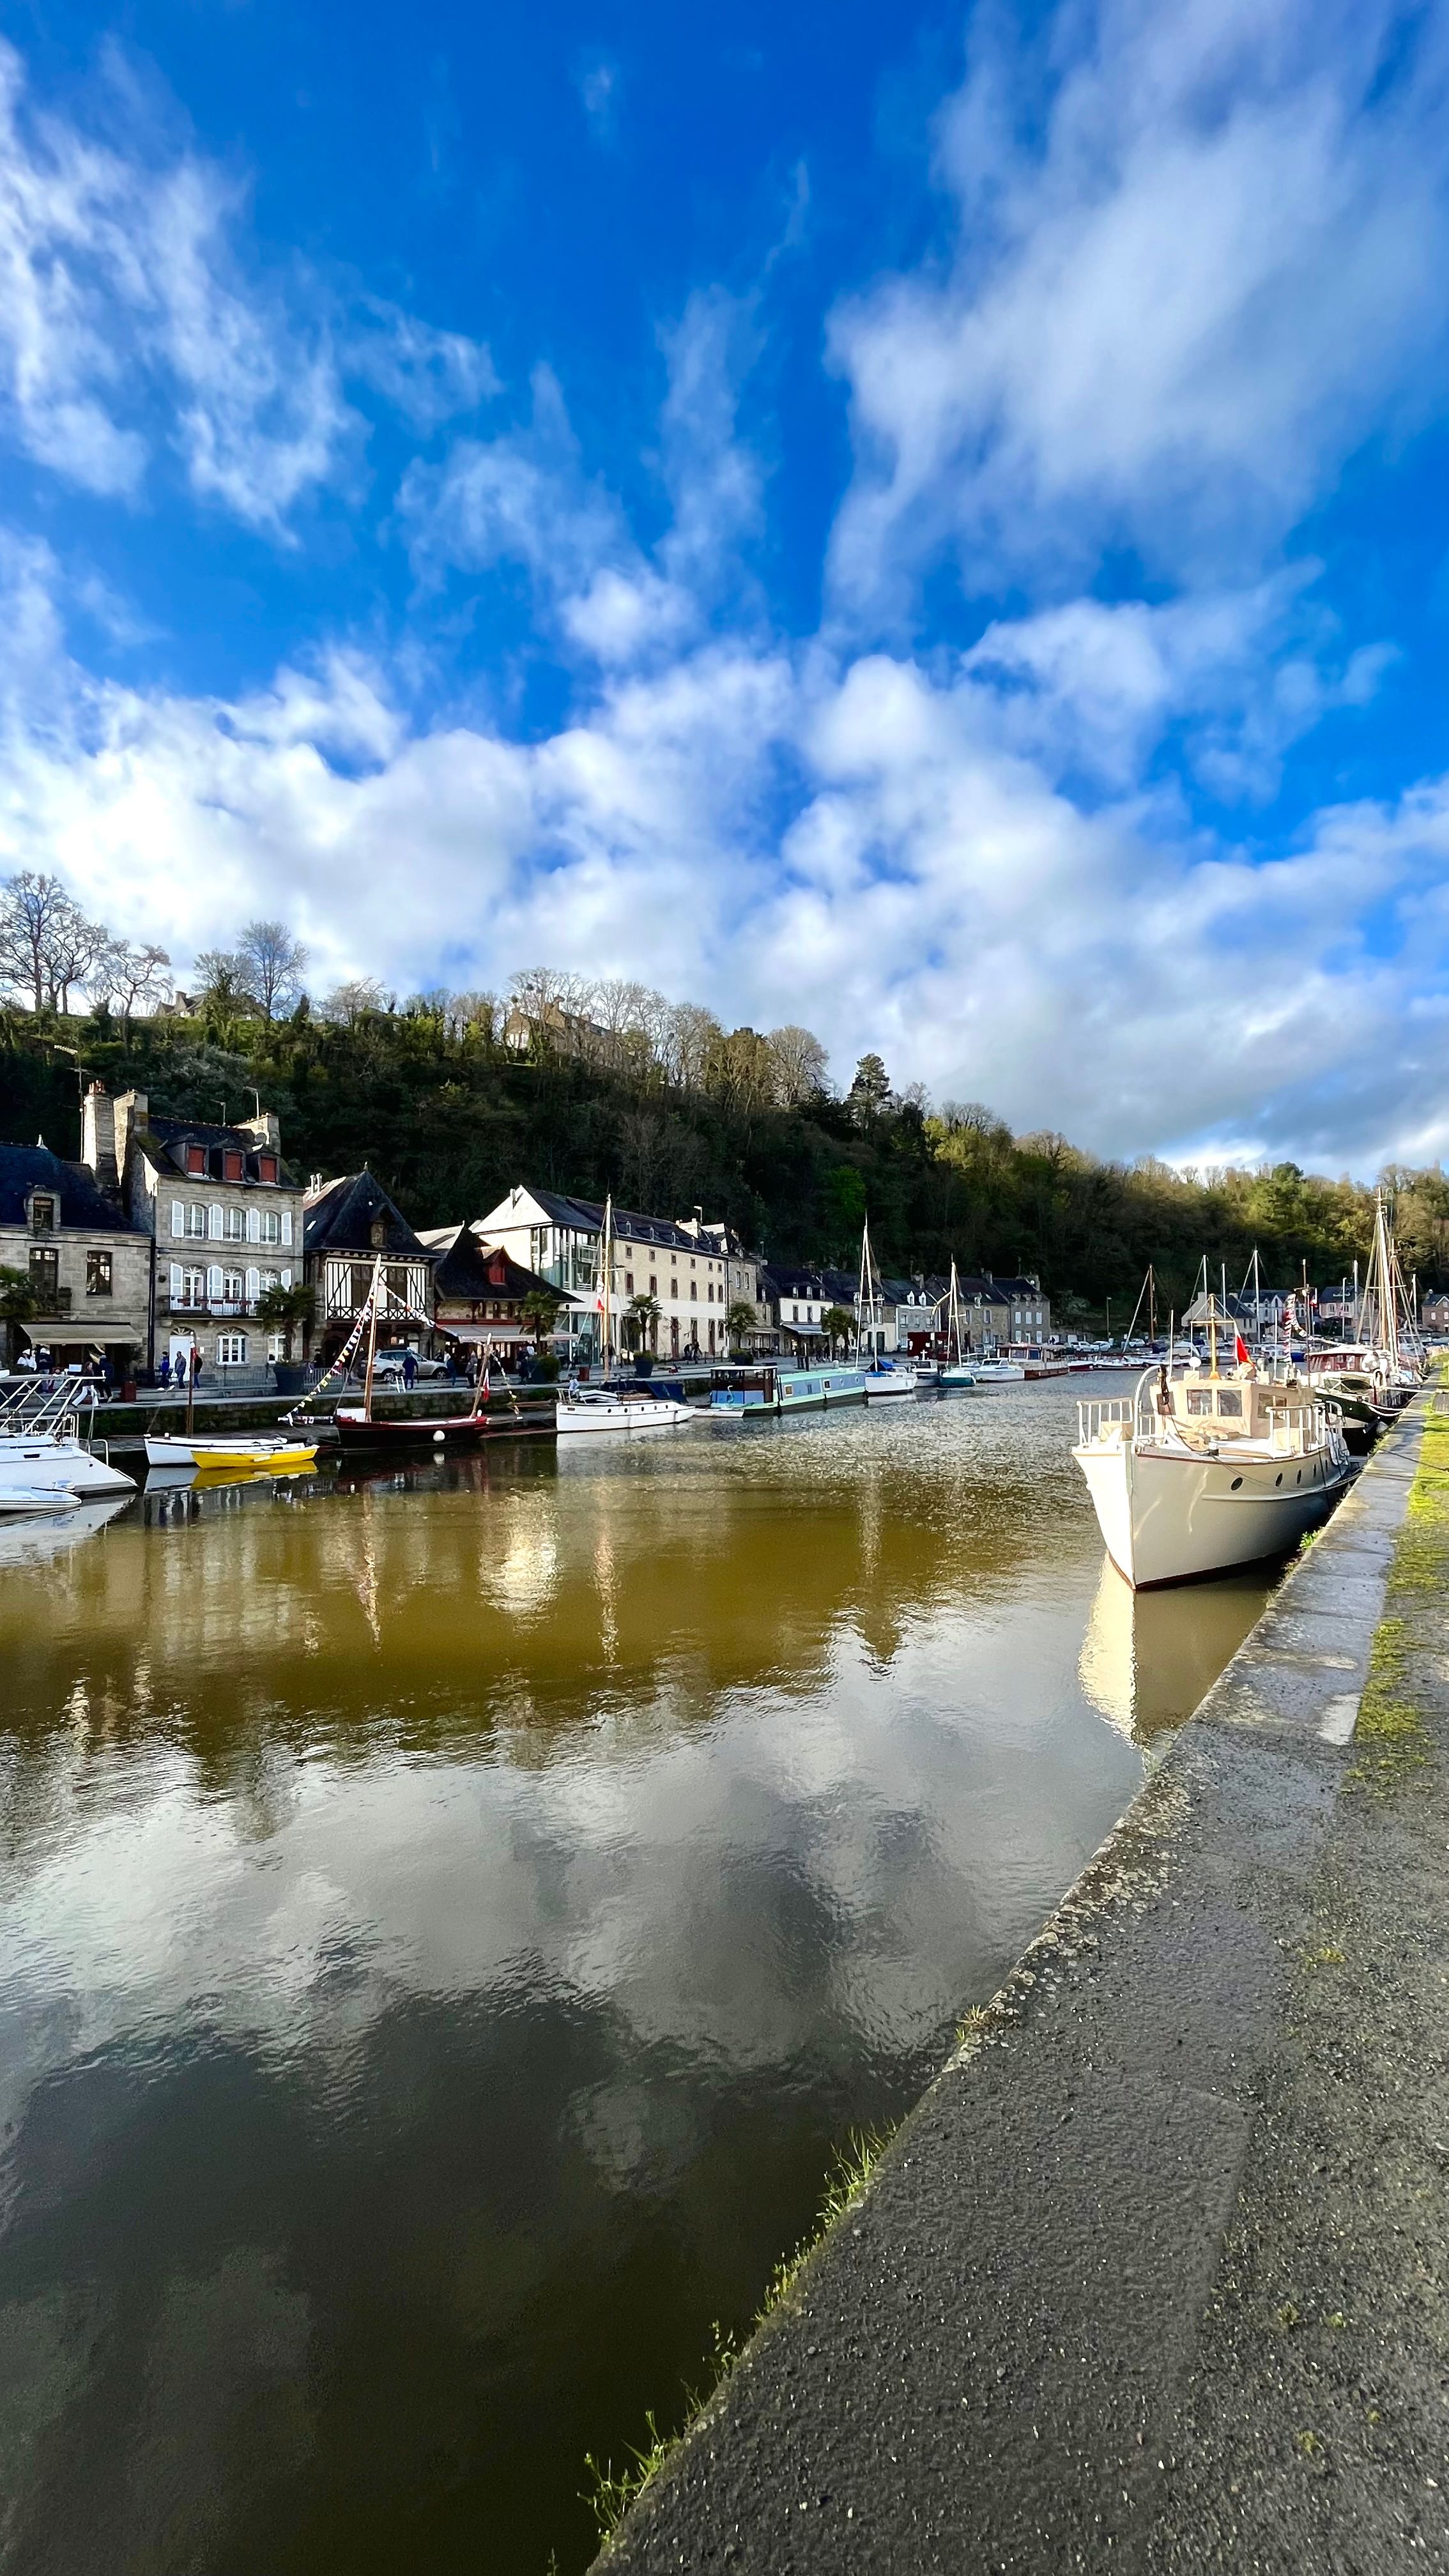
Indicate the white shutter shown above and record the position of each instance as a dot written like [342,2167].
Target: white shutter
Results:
[254,1286]
[177,1281]
[254,1226]
[178,1219]
[286,1279]
[214,1222]
[213,1284]
[286,1225]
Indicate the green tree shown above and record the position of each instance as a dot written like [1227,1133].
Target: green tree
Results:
[739,1321]
[839,1323]
[17,1305]
[870,1093]
[283,1309]
[846,1201]
[641,1316]
[540,1313]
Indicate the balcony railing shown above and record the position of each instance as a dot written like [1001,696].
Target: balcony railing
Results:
[218,1306]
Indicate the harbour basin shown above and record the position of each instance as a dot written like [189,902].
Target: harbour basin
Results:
[451,1916]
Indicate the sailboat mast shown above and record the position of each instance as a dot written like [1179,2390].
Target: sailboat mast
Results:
[606,1311]
[371,1338]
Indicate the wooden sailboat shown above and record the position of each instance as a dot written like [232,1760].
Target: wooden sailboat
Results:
[358,1427]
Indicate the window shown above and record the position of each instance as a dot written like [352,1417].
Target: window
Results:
[235,1224]
[98,1274]
[653,1284]
[196,1159]
[233,1287]
[266,1167]
[193,1288]
[1199,1399]
[794,1314]
[42,1216]
[231,1350]
[1229,1400]
[45,1278]
[232,1166]
[271,1229]
[628,1283]
[694,1290]
[196,1220]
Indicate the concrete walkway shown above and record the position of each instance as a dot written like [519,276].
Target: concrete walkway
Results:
[1157,2275]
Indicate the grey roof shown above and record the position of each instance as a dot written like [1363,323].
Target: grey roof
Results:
[24,1168]
[341,1216]
[476,1272]
[170,1133]
[586,1216]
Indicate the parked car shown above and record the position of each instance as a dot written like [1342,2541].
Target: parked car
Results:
[391,1364]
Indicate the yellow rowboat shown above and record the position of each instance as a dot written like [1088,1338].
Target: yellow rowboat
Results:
[284,1460]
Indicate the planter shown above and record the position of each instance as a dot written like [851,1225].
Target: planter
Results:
[291,1376]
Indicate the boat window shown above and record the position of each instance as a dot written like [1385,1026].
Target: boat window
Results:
[1229,1400]
[1199,1399]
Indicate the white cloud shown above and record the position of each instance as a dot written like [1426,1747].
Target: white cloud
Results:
[866,846]
[129,321]
[1199,254]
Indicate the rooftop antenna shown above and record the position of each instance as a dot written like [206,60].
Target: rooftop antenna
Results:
[257,1097]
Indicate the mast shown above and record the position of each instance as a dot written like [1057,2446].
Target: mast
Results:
[606,1311]
[371,1339]
[865,1293]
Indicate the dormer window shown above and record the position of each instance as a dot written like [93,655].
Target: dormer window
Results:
[233,1166]
[266,1167]
[42,1215]
[196,1160]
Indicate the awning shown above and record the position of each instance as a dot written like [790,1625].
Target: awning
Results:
[483,1332]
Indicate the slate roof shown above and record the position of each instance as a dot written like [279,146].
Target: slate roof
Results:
[340,1218]
[163,1137]
[586,1216]
[82,1203]
[472,1273]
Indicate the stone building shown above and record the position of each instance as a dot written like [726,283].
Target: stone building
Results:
[348,1223]
[88,1270]
[224,1216]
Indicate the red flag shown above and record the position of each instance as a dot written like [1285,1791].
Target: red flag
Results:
[1240,1352]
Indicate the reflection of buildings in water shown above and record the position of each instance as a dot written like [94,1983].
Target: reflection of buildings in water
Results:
[1149,1658]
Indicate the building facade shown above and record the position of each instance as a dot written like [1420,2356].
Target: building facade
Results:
[682,1272]
[224,1216]
[480,1291]
[88,1271]
[348,1224]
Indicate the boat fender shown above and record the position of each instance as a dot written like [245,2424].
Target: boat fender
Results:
[437,1435]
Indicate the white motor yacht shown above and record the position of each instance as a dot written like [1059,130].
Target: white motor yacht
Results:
[590,1412]
[1206,1469]
[41,1453]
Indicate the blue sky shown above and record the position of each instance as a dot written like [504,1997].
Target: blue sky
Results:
[931,523]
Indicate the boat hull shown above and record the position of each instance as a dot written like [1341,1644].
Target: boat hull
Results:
[1168,1518]
[42,1464]
[448,1431]
[624,1420]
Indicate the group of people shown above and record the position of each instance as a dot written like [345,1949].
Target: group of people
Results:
[174,1372]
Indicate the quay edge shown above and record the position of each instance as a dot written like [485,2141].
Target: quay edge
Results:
[1156,2276]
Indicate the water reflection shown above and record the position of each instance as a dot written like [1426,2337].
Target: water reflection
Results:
[449,1915]
[1148,1658]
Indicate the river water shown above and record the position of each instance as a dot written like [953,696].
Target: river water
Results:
[448,1920]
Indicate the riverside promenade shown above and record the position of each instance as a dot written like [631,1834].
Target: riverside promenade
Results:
[1156,2277]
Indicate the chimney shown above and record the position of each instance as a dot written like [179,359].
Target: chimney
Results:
[265,1130]
[131,1112]
[314,1185]
[98,1136]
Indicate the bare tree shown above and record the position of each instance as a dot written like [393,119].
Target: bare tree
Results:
[132,978]
[801,1065]
[475,1014]
[350,1002]
[274,963]
[222,973]
[47,945]
[690,1036]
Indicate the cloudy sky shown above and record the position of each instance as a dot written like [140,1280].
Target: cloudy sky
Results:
[930,523]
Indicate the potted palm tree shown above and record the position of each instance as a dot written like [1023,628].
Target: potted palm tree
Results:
[641,1315]
[282,1310]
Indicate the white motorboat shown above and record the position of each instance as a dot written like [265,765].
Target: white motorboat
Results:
[1204,1470]
[888,1380]
[590,1413]
[41,1452]
[997,1372]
